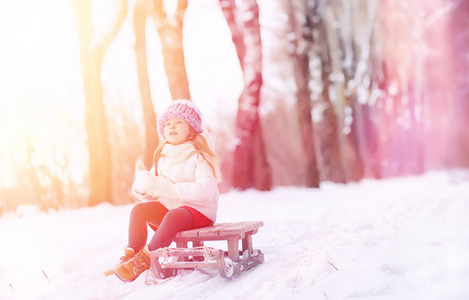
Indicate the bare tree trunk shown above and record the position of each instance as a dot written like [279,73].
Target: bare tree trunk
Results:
[92,55]
[229,10]
[330,149]
[149,116]
[170,33]
[351,44]
[459,67]
[301,58]
[364,18]
[338,107]
[251,168]
[343,35]
[337,55]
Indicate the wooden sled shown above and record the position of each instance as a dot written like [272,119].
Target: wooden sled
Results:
[166,261]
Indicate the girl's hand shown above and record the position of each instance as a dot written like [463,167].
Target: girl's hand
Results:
[148,187]
[162,187]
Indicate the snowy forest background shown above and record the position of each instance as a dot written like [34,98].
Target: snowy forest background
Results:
[294,92]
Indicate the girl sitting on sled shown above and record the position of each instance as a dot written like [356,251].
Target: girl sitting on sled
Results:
[180,192]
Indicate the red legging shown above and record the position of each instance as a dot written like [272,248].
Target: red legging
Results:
[169,223]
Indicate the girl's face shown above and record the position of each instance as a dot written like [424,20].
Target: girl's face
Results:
[176,131]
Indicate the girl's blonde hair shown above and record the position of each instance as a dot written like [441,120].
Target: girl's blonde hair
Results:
[201,147]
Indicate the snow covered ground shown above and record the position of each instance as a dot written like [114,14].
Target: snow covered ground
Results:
[400,238]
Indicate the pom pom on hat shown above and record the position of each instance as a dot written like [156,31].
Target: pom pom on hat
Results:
[181,109]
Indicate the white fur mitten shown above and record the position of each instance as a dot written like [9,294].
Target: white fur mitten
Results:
[162,187]
[149,187]
[143,181]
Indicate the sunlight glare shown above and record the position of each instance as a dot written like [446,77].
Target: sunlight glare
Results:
[38,77]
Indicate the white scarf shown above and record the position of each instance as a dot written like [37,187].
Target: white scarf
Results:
[178,153]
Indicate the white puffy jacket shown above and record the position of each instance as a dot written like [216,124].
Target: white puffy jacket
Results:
[189,182]
[194,183]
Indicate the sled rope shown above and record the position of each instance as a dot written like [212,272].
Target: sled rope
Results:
[165,255]
[207,254]
[150,280]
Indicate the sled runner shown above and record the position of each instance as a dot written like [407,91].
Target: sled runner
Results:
[166,261]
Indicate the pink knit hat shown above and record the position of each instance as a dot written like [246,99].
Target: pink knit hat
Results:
[181,109]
